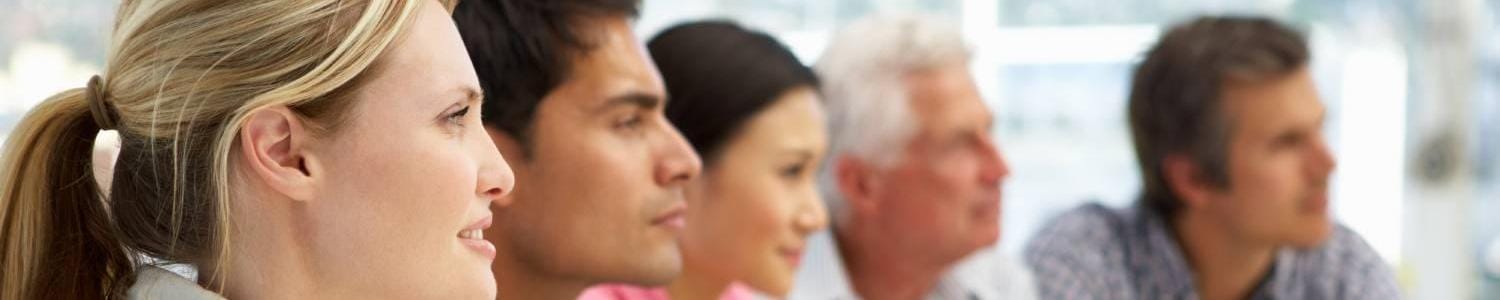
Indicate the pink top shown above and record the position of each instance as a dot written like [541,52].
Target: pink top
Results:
[735,291]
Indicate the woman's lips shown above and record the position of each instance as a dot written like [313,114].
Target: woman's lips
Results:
[793,256]
[473,237]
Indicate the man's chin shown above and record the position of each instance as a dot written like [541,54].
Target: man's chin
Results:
[656,269]
[987,231]
[1312,235]
[983,238]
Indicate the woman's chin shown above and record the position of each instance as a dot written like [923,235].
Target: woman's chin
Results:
[777,288]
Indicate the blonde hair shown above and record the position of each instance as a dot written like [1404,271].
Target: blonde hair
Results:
[181,77]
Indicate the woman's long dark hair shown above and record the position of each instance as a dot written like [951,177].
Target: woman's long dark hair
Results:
[718,75]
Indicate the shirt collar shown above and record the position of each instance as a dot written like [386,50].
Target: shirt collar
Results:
[824,277]
[153,282]
[1161,254]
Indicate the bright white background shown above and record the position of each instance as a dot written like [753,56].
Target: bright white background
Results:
[1411,86]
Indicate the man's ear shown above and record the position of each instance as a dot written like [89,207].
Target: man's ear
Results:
[273,147]
[1185,179]
[856,183]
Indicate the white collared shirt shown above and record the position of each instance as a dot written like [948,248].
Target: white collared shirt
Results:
[984,275]
[152,282]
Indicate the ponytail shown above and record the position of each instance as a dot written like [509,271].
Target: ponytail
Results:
[56,239]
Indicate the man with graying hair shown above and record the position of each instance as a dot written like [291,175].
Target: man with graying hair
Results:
[913,175]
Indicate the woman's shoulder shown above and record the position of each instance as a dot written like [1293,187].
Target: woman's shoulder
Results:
[630,292]
[739,291]
[152,282]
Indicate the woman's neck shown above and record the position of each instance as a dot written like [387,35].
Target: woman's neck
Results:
[696,283]
[265,261]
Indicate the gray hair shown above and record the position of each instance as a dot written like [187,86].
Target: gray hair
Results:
[863,73]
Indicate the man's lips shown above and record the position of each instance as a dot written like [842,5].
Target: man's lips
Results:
[988,207]
[1316,204]
[673,218]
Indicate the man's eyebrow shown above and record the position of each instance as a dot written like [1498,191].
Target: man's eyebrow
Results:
[637,99]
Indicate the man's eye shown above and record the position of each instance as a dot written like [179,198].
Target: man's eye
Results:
[631,122]
[1287,140]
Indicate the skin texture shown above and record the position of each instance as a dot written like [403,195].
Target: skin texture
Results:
[1277,196]
[937,204]
[343,214]
[604,180]
[750,213]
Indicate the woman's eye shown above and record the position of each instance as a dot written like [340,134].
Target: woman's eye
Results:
[793,171]
[458,116]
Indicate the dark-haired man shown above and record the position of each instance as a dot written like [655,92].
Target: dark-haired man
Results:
[1227,129]
[575,105]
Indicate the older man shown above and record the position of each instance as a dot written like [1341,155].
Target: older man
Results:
[913,178]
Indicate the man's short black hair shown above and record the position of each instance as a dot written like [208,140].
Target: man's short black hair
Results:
[523,49]
[1176,96]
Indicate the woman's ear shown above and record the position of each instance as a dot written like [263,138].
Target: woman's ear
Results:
[273,147]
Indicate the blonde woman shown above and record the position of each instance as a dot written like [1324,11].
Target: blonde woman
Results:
[285,148]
